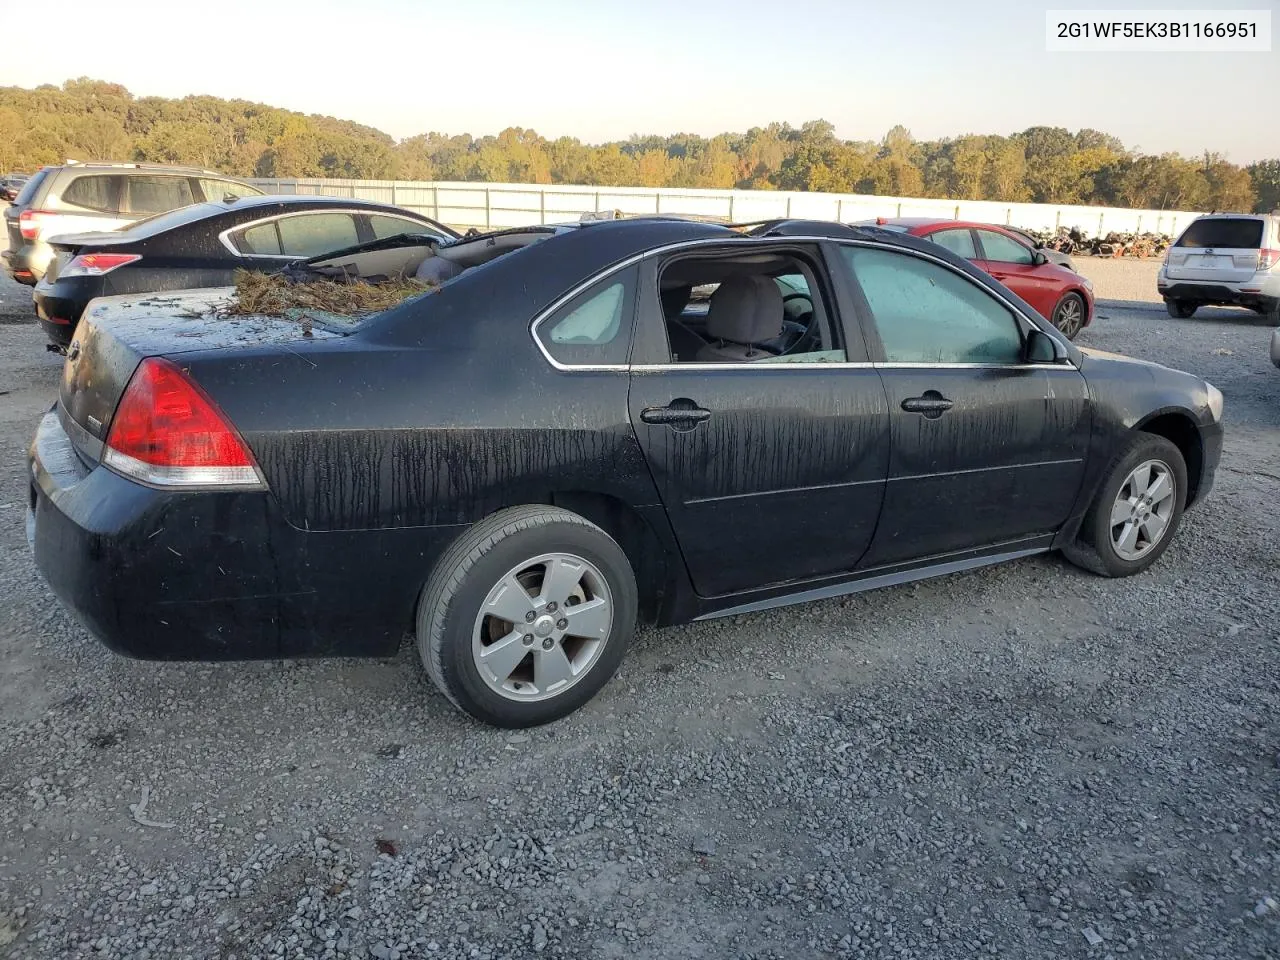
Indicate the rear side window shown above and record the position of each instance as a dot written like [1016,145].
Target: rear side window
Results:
[92,193]
[959,242]
[157,194]
[927,314]
[262,241]
[1243,232]
[595,327]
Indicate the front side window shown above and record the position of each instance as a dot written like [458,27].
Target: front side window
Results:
[594,328]
[959,242]
[92,193]
[998,247]
[157,194]
[311,234]
[926,313]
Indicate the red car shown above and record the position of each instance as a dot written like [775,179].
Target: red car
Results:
[1061,296]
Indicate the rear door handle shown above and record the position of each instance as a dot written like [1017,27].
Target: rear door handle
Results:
[932,404]
[678,413]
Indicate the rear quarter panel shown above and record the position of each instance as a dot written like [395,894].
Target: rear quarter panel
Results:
[358,436]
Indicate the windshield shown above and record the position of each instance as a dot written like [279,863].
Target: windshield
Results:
[1223,232]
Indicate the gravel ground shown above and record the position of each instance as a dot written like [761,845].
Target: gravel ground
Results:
[1022,762]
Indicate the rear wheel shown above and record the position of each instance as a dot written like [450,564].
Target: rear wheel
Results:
[1181,309]
[1068,315]
[527,616]
[1136,512]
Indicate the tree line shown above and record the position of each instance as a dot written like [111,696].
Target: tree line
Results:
[92,119]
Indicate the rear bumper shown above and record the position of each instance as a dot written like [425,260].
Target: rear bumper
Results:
[1241,294]
[27,263]
[59,305]
[162,575]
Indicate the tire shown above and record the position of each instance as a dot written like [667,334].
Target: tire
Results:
[1069,315]
[483,569]
[1180,309]
[1095,548]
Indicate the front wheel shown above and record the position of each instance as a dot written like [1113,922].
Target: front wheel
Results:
[1068,315]
[1136,512]
[1180,309]
[526,616]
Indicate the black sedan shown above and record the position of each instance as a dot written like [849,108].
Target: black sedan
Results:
[202,245]
[562,437]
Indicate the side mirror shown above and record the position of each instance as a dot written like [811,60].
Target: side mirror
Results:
[1038,258]
[1042,348]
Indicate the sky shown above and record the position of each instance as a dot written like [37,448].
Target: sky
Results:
[603,69]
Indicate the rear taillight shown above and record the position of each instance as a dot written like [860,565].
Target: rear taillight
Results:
[1267,259]
[31,222]
[168,433]
[96,264]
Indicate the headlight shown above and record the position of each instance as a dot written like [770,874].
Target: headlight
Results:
[1215,400]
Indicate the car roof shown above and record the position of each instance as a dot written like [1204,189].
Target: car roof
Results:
[912,222]
[530,279]
[177,169]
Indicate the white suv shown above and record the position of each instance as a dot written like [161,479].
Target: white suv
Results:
[1224,258]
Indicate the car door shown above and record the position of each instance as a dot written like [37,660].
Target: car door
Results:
[770,470]
[1014,265]
[986,448]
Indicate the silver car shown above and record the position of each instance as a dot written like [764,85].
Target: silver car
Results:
[92,197]
[1226,259]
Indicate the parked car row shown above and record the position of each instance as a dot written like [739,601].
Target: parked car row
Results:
[562,438]
[202,245]
[79,197]
[12,185]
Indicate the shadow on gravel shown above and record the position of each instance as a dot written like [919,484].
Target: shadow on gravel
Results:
[1219,315]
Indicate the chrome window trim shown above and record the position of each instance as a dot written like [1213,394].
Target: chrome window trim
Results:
[225,236]
[609,271]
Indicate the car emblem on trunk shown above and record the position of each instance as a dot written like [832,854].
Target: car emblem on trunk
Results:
[73,351]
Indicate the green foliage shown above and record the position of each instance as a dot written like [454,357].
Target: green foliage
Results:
[93,120]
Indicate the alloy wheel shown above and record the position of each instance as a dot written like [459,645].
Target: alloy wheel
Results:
[542,627]
[1069,317]
[1142,510]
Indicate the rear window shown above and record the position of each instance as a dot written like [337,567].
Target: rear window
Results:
[92,193]
[1243,232]
[29,190]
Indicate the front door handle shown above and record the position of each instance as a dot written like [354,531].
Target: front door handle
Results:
[679,413]
[932,405]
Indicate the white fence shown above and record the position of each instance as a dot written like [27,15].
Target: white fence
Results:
[497,205]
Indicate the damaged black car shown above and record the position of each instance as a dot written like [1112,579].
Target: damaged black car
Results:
[566,430]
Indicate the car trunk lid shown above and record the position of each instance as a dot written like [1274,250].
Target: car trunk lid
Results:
[1217,249]
[116,333]
[68,246]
